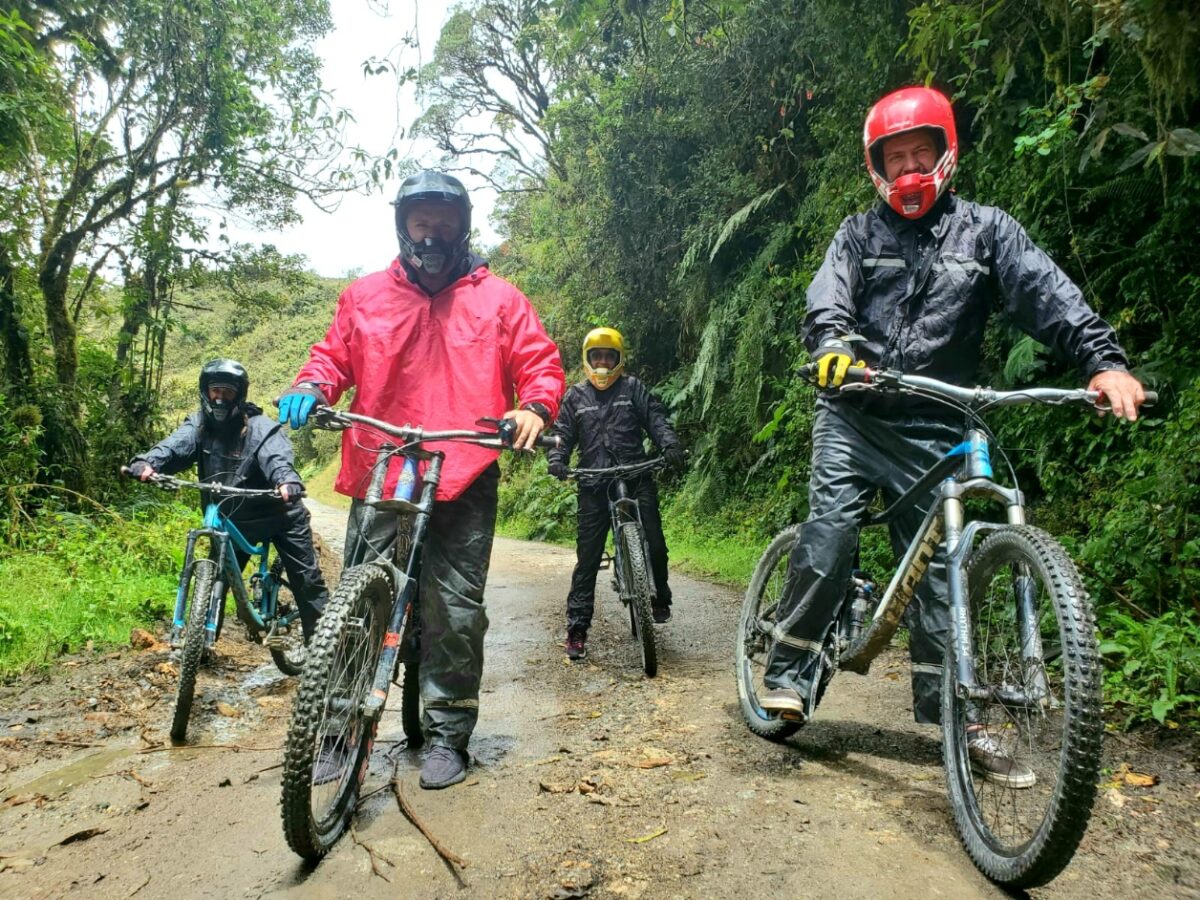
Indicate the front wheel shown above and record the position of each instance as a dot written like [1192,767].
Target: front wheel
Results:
[754,637]
[329,739]
[1033,646]
[200,592]
[641,616]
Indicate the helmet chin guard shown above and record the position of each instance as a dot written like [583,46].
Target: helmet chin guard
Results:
[900,112]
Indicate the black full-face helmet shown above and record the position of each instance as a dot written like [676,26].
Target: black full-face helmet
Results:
[433,255]
[223,373]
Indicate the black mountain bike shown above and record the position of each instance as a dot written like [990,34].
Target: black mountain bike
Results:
[366,636]
[632,579]
[203,583]
[1021,665]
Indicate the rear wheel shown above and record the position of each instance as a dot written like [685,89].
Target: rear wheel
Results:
[754,637]
[641,616]
[329,739]
[200,592]
[290,657]
[1034,646]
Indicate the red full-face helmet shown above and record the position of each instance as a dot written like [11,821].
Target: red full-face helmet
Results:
[912,109]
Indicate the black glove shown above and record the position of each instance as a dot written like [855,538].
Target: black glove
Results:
[558,469]
[291,491]
[676,457]
[138,468]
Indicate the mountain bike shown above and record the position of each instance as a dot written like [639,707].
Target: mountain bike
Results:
[1021,664]
[632,579]
[366,635]
[203,582]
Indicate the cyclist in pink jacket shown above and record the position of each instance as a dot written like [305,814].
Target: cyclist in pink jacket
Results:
[436,340]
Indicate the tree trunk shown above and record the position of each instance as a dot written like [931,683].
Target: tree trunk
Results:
[53,280]
[18,369]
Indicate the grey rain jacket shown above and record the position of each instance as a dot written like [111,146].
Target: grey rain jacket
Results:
[918,293]
[260,457]
[607,425]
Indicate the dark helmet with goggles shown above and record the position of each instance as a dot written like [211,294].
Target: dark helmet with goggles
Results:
[433,254]
[223,373]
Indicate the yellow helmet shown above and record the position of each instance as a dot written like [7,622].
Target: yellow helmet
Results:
[604,339]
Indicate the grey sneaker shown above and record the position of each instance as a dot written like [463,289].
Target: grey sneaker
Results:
[443,767]
[991,761]
[785,701]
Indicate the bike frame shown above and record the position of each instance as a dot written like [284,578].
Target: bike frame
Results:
[221,531]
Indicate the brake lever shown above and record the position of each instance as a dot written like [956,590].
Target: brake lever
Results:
[505,428]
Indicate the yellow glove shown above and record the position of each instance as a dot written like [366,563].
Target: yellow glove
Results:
[839,359]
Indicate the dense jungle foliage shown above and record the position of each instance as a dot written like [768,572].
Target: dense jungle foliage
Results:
[675,169]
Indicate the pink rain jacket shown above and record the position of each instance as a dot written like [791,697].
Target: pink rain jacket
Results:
[476,348]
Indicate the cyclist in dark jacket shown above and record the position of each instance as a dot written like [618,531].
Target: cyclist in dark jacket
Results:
[909,285]
[231,442]
[605,417]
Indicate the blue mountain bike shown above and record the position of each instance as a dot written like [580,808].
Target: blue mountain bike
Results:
[205,579]
[1021,666]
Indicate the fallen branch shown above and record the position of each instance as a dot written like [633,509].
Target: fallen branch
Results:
[373,853]
[236,748]
[448,855]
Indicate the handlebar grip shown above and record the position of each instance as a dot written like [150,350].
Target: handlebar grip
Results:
[854,375]
[549,441]
[124,470]
[1151,398]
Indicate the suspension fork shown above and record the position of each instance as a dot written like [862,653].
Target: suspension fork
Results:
[1025,596]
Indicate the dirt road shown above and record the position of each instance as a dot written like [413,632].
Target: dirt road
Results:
[589,780]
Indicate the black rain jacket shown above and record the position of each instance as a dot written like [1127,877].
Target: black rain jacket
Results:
[257,457]
[607,426]
[919,293]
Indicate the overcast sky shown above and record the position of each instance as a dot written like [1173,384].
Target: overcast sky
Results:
[360,235]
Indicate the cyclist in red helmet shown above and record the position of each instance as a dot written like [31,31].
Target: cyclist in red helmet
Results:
[909,285]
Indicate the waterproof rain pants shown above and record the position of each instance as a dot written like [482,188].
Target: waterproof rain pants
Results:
[855,454]
[453,618]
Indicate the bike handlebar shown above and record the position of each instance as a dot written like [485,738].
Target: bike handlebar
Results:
[171,483]
[330,419]
[623,471]
[889,381]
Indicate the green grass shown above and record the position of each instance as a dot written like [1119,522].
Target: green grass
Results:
[86,580]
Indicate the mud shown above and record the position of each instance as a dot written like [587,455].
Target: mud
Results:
[588,779]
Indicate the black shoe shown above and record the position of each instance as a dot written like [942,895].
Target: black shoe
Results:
[443,767]
[331,759]
[661,614]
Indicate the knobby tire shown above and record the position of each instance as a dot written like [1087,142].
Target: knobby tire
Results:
[640,612]
[200,585]
[349,636]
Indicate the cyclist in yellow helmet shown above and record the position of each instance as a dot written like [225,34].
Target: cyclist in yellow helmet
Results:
[605,417]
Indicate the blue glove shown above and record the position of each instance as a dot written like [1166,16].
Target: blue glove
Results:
[296,404]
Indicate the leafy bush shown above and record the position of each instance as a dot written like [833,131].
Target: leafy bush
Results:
[1153,667]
